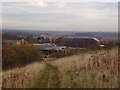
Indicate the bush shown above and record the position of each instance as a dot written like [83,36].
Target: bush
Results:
[9,56]
[110,44]
[19,55]
[68,52]
[58,54]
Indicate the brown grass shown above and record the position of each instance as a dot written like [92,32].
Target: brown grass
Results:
[21,77]
[94,69]
[90,70]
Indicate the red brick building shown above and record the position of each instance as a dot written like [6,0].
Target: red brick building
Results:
[77,42]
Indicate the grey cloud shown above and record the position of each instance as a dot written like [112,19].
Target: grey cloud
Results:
[74,14]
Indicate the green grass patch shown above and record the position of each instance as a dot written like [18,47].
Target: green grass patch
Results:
[48,78]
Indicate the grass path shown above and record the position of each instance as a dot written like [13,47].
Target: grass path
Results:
[48,78]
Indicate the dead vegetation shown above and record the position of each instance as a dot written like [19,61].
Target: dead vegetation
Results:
[94,69]
[91,70]
[21,77]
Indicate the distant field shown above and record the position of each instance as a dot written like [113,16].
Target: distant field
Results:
[87,70]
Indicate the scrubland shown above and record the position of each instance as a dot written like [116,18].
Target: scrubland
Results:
[93,69]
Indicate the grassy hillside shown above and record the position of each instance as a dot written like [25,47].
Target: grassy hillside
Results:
[90,70]
[87,70]
[21,77]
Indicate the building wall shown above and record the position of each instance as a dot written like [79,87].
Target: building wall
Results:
[77,42]
[60,42]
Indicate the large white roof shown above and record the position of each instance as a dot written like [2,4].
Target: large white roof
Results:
[96,39]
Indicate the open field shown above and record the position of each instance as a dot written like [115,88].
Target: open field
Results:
[87,70]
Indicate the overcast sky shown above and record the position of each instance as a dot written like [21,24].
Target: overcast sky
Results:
[60,15]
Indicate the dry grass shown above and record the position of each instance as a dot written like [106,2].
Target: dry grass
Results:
[21,77]
[95,69]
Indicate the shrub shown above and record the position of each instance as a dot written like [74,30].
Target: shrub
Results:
[27,53]
[9,56]
[20,55]
[58,54]
[110,44]
[65,53]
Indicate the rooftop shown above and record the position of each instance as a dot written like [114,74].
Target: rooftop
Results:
[81,38]
[48,46]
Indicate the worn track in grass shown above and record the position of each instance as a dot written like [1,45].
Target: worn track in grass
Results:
[48,78]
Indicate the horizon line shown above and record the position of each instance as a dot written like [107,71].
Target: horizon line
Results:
[5,29]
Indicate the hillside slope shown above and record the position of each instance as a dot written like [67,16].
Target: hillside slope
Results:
[88,70]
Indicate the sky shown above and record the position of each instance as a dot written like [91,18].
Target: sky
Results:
[60,15]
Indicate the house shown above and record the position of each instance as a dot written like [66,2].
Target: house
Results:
[77,42]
